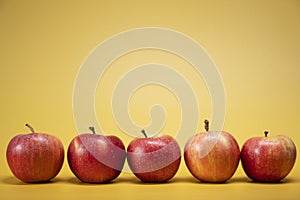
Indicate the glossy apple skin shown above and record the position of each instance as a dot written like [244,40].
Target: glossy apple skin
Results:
[96,158]
[155,159]
[268,159]
[35,157]
[212,156]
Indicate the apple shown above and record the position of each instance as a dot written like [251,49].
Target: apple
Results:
[35,157]
[95,158]
[212,156]
[154,159]
[268,159]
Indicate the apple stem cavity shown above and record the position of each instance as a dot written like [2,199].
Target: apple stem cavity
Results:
[206,125]
[30,127]
[144,133]
[266,133]
[92,129]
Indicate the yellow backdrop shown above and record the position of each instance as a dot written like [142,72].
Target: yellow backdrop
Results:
[255,44]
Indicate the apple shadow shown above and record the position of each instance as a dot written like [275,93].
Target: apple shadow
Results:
[185,179]
[139,182]
[245,179]
[193,180]
[76,181]
[233,180]
[11,180]
[135,180]
[284,181]
[239,179]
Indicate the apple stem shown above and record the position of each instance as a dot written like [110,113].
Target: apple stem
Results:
[144,133]
[92,129]
[206,125]
[30,127]
[266,133]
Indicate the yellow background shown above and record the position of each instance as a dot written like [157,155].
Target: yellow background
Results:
[255,44]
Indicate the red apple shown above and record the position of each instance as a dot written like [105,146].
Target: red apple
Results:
[96,158]
[266,159]
[212,156]
[35,157]
[154,159]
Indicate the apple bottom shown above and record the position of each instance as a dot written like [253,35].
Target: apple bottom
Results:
[212,168]
[161,175]
[261,173]
[90,170]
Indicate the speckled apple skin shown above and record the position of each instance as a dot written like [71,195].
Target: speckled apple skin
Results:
[212,156]
[155,159]
[268,159]
[35,157]
[96,158]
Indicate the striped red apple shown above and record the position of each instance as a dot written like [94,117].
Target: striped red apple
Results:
[154,159]
[35,157]
[268,159]
[95,158]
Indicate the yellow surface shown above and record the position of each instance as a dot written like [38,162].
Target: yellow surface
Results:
[255,44]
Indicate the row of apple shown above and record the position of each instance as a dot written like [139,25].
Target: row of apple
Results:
[210,156]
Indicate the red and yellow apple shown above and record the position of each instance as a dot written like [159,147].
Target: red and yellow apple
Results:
[212,156]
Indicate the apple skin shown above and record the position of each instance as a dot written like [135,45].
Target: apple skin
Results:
[35,157]
[268,159]
[96,158]
[154,159]
[212,156]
